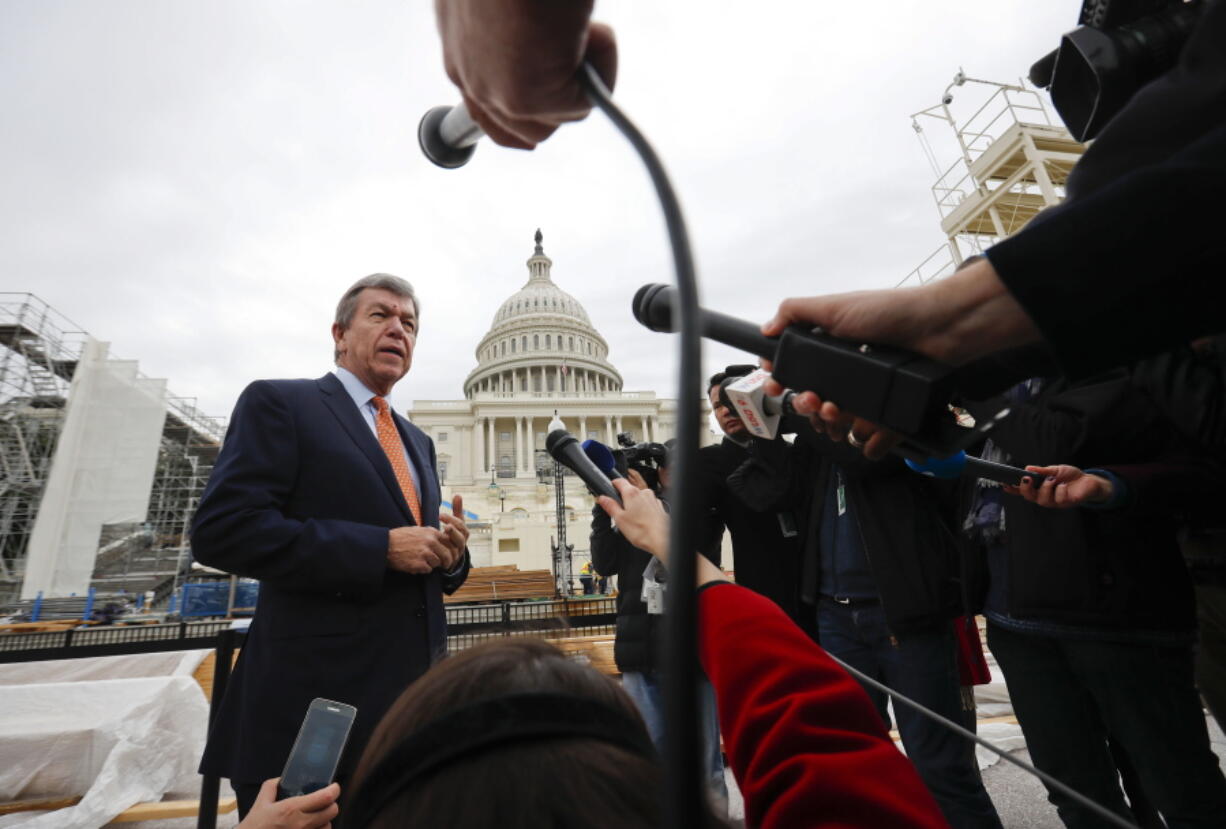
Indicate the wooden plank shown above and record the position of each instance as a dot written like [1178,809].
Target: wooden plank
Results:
[46,804]
[169,809]
[204,673]
[597,649]
[503,583]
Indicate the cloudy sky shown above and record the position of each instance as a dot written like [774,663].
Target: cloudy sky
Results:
[197,182]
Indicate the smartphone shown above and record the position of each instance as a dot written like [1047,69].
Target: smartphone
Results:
[317,749]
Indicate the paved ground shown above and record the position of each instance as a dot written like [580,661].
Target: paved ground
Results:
[1022,801]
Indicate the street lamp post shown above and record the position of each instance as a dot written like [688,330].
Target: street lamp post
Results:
[562,562]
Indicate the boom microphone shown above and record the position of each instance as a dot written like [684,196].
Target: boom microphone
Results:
[563,448]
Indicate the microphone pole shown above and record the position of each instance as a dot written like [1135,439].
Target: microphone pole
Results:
[447,138]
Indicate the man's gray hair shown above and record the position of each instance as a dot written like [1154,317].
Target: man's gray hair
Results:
[348,306]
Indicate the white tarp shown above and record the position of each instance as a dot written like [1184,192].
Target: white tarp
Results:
[133,666]
[101,473]
[115,742]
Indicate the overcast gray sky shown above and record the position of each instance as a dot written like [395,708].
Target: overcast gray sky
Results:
[197,182]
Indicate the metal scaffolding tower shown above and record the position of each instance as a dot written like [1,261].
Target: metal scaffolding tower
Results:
[41,350]
[1011,162]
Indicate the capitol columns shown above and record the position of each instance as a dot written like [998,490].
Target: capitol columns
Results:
[478,448]
[582,428]
[529,444]
[519,452]
[493,444]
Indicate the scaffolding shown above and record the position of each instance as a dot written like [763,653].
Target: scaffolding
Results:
[41,351]
[1011,162]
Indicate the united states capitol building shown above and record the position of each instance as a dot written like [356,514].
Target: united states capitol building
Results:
[541,355]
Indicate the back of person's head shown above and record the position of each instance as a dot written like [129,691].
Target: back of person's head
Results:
[511,734]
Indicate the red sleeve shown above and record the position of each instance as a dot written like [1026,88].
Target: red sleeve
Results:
[806,745]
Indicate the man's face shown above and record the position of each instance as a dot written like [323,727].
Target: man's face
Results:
[728,421]
[378,344]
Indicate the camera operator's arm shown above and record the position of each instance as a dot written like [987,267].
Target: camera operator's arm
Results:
[766,480]
[516,63]
[605,542]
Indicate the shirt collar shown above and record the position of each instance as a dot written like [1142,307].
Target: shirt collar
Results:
[355,387]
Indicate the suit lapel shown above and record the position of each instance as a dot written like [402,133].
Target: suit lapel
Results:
[341,405]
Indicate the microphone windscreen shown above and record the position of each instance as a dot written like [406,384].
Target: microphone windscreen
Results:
[946,468]
[602,456]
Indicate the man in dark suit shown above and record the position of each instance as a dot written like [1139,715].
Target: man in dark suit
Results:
[762,525]
[332,501]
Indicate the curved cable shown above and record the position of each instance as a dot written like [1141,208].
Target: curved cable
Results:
[685,803]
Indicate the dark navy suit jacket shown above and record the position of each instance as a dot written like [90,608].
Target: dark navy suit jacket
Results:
[302,498]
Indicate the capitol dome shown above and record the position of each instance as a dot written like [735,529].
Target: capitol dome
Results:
[541,341]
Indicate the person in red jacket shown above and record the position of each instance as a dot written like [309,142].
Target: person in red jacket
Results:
[805,743]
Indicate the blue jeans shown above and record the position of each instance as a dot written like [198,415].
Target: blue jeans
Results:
[922,666]
[646,689]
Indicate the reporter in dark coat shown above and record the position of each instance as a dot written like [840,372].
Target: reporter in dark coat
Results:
[1090,612]
[332,501]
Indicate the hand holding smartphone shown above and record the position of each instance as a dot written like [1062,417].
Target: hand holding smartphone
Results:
[317,750]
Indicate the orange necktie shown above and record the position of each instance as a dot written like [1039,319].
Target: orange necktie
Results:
[389,439]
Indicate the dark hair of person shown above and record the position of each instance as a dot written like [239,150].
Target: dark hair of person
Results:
[536,783]
[718,377]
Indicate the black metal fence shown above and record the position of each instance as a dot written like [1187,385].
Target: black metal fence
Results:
[467,625]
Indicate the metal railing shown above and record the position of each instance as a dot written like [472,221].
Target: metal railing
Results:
[467,625]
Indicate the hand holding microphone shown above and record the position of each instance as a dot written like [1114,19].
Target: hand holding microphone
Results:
[563,448]
[516,63]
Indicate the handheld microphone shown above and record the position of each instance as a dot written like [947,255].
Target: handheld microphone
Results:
[759,411]
[563,448]
[602,457]
[761,414]
[448,136]
[890,386]
[961,465]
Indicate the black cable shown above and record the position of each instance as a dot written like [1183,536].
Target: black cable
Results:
[685,804]
[1102,811]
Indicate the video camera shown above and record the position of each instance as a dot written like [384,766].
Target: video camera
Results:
[1118,47]
[638,455]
